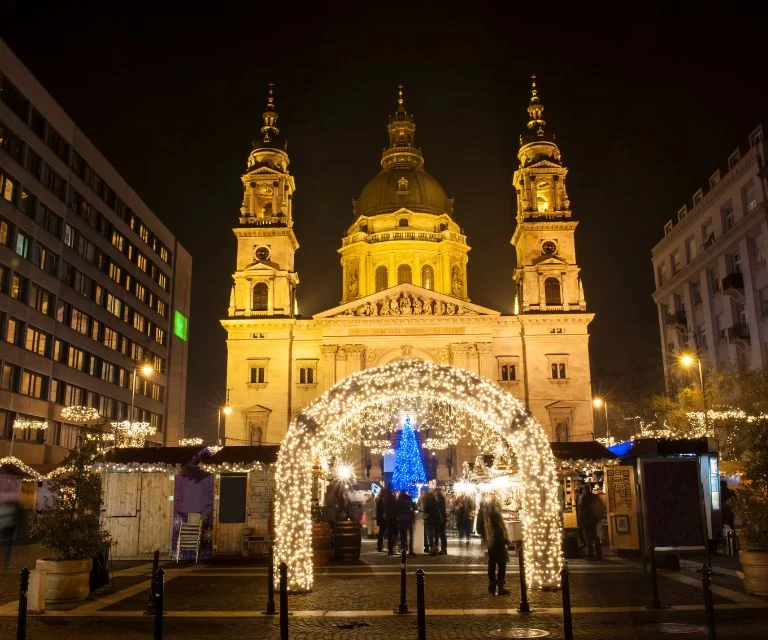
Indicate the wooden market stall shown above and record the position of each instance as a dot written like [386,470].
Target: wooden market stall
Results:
[139,486]
[18,483]
[244,488]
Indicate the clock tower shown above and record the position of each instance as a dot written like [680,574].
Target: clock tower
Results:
[264,279]
[547,275]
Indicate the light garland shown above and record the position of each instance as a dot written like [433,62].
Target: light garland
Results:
[132,434]
[25,423]
[234,467]
[79,414]
[135,467]
[342,415]
[437,444]
[379,447]
[190,442]
[14,461]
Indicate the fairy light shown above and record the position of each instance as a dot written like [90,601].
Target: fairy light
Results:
[132,434]
[14,461]
[190,442]
[491,414]
[79,414]
[24,423]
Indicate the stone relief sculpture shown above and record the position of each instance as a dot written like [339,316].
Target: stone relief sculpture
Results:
[352,287]
[406,304]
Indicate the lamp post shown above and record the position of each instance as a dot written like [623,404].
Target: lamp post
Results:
[226,410]
[600,402]
[146,370]
[687,360]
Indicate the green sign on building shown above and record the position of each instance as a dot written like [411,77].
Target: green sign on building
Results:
[180,325]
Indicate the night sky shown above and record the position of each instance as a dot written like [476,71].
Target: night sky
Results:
[643,114]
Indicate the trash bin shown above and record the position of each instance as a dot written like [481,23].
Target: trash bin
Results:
[100,570]
[571,544]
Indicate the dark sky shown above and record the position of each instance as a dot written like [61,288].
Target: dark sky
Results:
[643,114]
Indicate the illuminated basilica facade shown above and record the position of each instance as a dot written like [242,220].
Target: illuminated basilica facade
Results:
[404,269]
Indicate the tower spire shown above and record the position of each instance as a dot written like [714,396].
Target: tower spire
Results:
[270,132]
[535,110]
[402,129]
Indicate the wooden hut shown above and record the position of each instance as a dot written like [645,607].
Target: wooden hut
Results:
[139,488]
[244,489]
[18,482]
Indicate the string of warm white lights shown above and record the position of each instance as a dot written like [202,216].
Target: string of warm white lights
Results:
[14,461]
[25,423]
[132,434]
[379,447]
[190,442]
[234,467]
[493,416]
[79,414]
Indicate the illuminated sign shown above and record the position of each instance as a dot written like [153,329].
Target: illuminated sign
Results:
[180,325]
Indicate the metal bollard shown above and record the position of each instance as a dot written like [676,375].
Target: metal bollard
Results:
[709,605]
[421,614]
[655,602]
[403,606]
[21,619]
[283,601]
[567,620]
[155,565]
[271,585]
[524,606]
[159,588]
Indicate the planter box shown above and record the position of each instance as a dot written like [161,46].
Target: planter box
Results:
[65,580]
[755,567]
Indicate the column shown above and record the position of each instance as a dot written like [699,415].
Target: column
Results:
[459,352]
[328,365]
[485,360]
[354,357]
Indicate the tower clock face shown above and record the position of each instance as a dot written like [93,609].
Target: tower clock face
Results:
[549,248]
[262,253]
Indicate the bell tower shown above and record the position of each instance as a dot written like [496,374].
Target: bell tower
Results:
[547,274]
[264,279]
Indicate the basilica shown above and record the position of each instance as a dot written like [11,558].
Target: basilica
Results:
[404,264]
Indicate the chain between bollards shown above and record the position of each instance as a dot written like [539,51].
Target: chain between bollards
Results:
[158,584]
[524,606]
[403,606]
[283,601]
[709,605]
[155,565]
[21,619]
[271,584]
[655,602]
[421,614]
[567,620]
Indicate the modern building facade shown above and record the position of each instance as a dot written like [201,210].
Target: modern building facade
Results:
[92,285]
[710,271]
[404,270]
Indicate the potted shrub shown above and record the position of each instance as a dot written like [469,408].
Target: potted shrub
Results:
[750,505]
[69,525]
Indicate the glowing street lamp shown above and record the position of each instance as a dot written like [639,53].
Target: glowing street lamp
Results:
[687,361]
[146,370]
[600,402]
[226,410]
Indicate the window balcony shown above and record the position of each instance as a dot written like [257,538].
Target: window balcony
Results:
[678,318]
[733,286]
[738,334]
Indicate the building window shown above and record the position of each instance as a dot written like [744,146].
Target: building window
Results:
[79,321]
[260,296]
[702,333]
[402,222]
[258,375]
[32,384]
[713,280]
[690,249]
[764,301]
[733,262]
[507,370]
[749,196]
[404,274]
[558,370]
[382,278]
[306,375]
[428,277]
[22,244]
[12,331]
[552,292]
[720,326]
[661,274]
[36,341]
[707,235]
[696,292]
[674,261]
[726,213]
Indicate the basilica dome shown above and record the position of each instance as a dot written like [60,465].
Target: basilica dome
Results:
[403,186]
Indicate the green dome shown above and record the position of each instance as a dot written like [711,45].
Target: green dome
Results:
[403,186]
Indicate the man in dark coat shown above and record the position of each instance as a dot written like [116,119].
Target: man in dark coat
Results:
[442,510]
[405,517]
[390,510]
[491,527]
[381,515]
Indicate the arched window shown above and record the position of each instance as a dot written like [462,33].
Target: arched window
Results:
[428,277]
[256,435]
[404,274]
[552,292]
[260,296]
[382,278]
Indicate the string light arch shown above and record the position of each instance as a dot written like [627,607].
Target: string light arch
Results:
[495,413]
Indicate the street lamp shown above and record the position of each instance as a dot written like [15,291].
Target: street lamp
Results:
[226,410]
[687,360]
[146,371]
[600,402]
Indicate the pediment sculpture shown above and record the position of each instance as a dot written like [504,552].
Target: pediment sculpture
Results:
[408,304]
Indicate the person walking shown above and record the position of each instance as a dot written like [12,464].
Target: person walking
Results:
[432,516]
[405,509]
[590,515]
[390,509]
[463,514]
[381,515]
[442,524]
[490,526]
[421,507]
[10,512]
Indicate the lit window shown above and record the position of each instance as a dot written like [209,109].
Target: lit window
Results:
[382,278]
[428,277]
[260,296]
[404,274]
[558,370]
[257,375]
[552,292]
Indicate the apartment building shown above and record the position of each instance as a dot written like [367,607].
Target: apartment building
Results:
[710,270]
[93,286]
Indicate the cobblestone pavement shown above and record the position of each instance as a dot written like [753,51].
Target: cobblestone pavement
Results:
[355,602]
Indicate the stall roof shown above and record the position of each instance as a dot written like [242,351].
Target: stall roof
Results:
[11,468]
[645,447]
[170,456]
[266,454]
[588,450]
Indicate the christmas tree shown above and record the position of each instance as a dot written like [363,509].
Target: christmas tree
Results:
[408,466]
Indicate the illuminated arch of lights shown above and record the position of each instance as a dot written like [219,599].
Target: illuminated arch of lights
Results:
[494,415]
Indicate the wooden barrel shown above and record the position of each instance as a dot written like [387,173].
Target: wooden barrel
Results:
[321,544]
[346,540]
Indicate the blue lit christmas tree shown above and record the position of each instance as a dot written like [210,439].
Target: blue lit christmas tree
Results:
[408,466]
